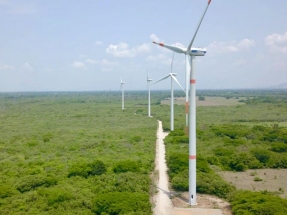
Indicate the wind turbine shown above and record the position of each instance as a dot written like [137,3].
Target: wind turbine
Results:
[190,54]
[172,77]
[148,84]
[123,94]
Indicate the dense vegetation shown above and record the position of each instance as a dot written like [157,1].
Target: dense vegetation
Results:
[75,153]
[79,153]
[235,138]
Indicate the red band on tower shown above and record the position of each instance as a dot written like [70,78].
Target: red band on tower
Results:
[192,157]
[192,81]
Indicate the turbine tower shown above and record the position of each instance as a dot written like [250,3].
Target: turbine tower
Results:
[148,84]
[123,94]
[190,54]
[172,77]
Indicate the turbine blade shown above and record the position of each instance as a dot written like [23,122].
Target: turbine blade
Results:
[176,49]
[171,62]
[160,79]
[175,79]
[191,42]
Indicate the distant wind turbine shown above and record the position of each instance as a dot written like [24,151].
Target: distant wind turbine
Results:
[123,94]
[190,72]
[172,77]
[148,84]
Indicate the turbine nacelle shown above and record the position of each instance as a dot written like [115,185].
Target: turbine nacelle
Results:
[197,51]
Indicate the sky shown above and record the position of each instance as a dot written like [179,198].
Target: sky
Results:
[89,45]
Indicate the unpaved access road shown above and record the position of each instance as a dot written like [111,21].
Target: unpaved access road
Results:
[162,199]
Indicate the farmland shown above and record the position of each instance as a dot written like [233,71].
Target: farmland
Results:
[79,153]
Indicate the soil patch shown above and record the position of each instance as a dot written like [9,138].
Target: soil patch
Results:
[203,201]
[273,180]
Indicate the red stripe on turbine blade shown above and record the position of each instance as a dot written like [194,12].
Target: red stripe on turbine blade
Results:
[192,157]
[209,1]
[192,81]
[161,44]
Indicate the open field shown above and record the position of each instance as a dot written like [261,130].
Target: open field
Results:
[273,180]
[209,101]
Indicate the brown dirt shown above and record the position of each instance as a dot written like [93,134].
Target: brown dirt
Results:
[273,180]
[203,201]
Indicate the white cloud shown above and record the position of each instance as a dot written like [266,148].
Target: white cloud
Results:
[154,38]
[78,65]
[277,42]
[106,62]
[27,66]
[98,43]
[159,58]
[92,61]
[123,50]
[233,46]
[6,67]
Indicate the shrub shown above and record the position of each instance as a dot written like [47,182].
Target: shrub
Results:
[244,161]
[257,179]
[55,195]
[6,191]
[247,202]
[177,162]
[262,155]
[279,147]
[180,181]
[96,168]
[132,182]
[136,139]
[211,183]
[115,203]
[126,166]
[30,182]
[85,170]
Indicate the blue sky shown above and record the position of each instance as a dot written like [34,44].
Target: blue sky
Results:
[68,45]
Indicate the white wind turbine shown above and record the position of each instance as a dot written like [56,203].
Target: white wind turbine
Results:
[123,94]
[172,77]
[148,84]
[189,72]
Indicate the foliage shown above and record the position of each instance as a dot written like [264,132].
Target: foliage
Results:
[7,190]
[127,166]
[30,182]
[201,98]
[55,195]
[247,202]
[96,167]
[116,203]
[58,150]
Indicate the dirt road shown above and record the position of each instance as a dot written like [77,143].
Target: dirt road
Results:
[162,200]
[163,203]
